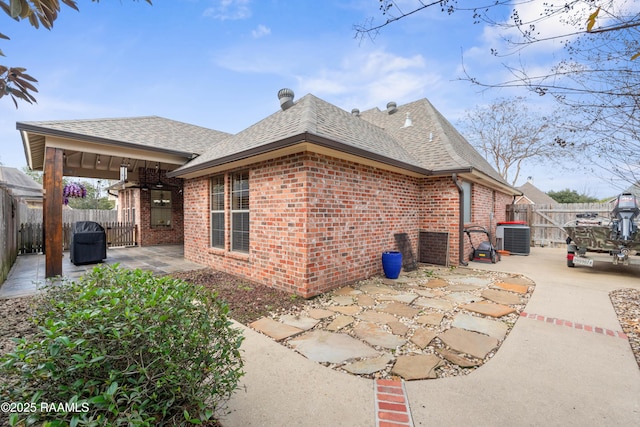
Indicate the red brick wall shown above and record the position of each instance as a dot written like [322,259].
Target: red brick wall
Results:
[440,211]
[160,236]
[354,212]
[318,222]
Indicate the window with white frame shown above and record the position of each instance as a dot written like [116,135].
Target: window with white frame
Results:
[217,211]
[240,211]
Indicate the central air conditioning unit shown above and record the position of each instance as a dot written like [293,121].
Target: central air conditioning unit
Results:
[514,236]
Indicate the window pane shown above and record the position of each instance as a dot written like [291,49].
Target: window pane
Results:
[217,230]
[160,208]
[240,192]
[217,193]
[241,181]
[241,200]
[240,231]
[466,193]
[217,212]
[240,212]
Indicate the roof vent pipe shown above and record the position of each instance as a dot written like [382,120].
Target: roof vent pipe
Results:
[355,112]
[391,107]
[286,98]
[407,121]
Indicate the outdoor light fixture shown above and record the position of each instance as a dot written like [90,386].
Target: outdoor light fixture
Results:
[123,172]
[98,160]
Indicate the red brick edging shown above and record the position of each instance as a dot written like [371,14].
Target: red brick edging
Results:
[391,404]
[587,328]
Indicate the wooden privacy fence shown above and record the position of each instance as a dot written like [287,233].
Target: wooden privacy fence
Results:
[30,236]
[546,221]
[29,215]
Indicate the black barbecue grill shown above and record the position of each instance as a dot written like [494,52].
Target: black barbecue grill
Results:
[88,243]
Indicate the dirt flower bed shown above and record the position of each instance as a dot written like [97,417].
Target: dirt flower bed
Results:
[248,301]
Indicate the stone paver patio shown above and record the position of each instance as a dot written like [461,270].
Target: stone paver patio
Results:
[430,323]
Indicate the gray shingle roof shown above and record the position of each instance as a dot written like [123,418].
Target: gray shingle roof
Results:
[536,195]
[430,145]
[310,116]
[19,183]
[149,131]
[431,138]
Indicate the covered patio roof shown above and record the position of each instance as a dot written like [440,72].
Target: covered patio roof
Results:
[97,148]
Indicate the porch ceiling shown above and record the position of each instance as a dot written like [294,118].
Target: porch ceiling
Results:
[99,159]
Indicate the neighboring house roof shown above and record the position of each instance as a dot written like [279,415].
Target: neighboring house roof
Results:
[374,135]
[19,184]
[535,195]
[150,132]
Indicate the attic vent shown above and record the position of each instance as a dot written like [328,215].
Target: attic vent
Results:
[355,112]
[391,107]
[286,98]
[407,122]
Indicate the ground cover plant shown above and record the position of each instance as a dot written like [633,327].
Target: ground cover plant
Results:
[122,347]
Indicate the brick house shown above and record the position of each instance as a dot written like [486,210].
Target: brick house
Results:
[308,198]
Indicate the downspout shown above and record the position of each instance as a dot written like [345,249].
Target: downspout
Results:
[461,221]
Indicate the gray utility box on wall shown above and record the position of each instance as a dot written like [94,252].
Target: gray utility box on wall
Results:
[514,236]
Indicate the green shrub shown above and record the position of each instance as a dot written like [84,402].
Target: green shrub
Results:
[122,347]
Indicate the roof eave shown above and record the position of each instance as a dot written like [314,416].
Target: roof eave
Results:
[291,141]
[494,183]
[25,128]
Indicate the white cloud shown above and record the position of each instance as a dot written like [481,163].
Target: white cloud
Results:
[369,79]
[261,31]
[229,10]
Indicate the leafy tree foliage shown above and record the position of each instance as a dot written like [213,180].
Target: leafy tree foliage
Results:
[571,196]
[14,81]
[37,176]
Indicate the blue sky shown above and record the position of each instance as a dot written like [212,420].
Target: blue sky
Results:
[220,63]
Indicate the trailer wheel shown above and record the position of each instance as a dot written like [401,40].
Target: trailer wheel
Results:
[571,250]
